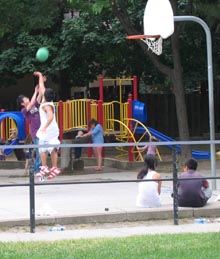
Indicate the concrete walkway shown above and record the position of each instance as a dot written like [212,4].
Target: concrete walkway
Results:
[93,203]
[108,232]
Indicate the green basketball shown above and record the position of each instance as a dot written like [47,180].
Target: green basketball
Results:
[42,54]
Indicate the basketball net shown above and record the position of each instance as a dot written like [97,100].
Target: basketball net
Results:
[156,45]
[158,20]
[158,25]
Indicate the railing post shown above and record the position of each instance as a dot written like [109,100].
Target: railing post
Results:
[32,192]
[175,188]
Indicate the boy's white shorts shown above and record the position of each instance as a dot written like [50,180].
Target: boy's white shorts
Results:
[53,141]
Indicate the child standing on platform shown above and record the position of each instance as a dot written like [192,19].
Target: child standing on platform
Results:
[97,135]
[151,149]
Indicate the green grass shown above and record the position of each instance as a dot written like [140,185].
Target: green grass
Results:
[181,246]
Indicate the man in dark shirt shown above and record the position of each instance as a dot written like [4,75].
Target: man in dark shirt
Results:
[195,192]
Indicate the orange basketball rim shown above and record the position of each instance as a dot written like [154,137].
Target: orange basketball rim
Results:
[136,37]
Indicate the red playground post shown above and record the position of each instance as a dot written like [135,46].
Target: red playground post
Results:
[3,134]
[130,154]
[101,88]
[101,117]
[89,149]
[60,119]
[135,88]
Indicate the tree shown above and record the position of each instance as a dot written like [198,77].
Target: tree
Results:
[71,42]
[170,64]
[121,9]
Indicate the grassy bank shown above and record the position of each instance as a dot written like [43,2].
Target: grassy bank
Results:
[181,246]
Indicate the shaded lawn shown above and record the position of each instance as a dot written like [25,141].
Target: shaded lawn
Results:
[178,246]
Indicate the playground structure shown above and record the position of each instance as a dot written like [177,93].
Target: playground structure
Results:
[124,120]
[117,118]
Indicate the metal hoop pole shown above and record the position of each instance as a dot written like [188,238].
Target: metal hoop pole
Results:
[210,85]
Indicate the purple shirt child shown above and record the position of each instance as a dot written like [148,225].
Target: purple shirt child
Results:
[33,118]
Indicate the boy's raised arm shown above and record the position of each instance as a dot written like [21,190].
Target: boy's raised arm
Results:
[42,79]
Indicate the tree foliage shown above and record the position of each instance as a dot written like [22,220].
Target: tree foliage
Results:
[192,36]
[80,48]
[86,45]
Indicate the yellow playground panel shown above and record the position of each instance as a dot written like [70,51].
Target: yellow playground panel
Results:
[76,114]
[6,125]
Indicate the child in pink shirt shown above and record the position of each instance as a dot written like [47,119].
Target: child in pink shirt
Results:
[151,149]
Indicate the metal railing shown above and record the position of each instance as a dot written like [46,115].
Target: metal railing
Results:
[174,179]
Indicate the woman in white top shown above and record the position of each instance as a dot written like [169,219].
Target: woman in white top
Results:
[149,191]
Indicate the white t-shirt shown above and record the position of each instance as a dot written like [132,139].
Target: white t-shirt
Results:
[148,195]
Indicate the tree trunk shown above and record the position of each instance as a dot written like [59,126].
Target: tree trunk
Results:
[179,93]
[178,90]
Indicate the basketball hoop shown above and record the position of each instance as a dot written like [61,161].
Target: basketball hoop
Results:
[158,24]
[154,42]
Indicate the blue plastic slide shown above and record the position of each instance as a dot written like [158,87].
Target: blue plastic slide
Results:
[198,155]
[140,114]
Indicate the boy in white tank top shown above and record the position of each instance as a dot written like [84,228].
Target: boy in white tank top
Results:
[48,132]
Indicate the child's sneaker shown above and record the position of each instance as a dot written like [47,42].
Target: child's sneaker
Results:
[54,171]
[43,171]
